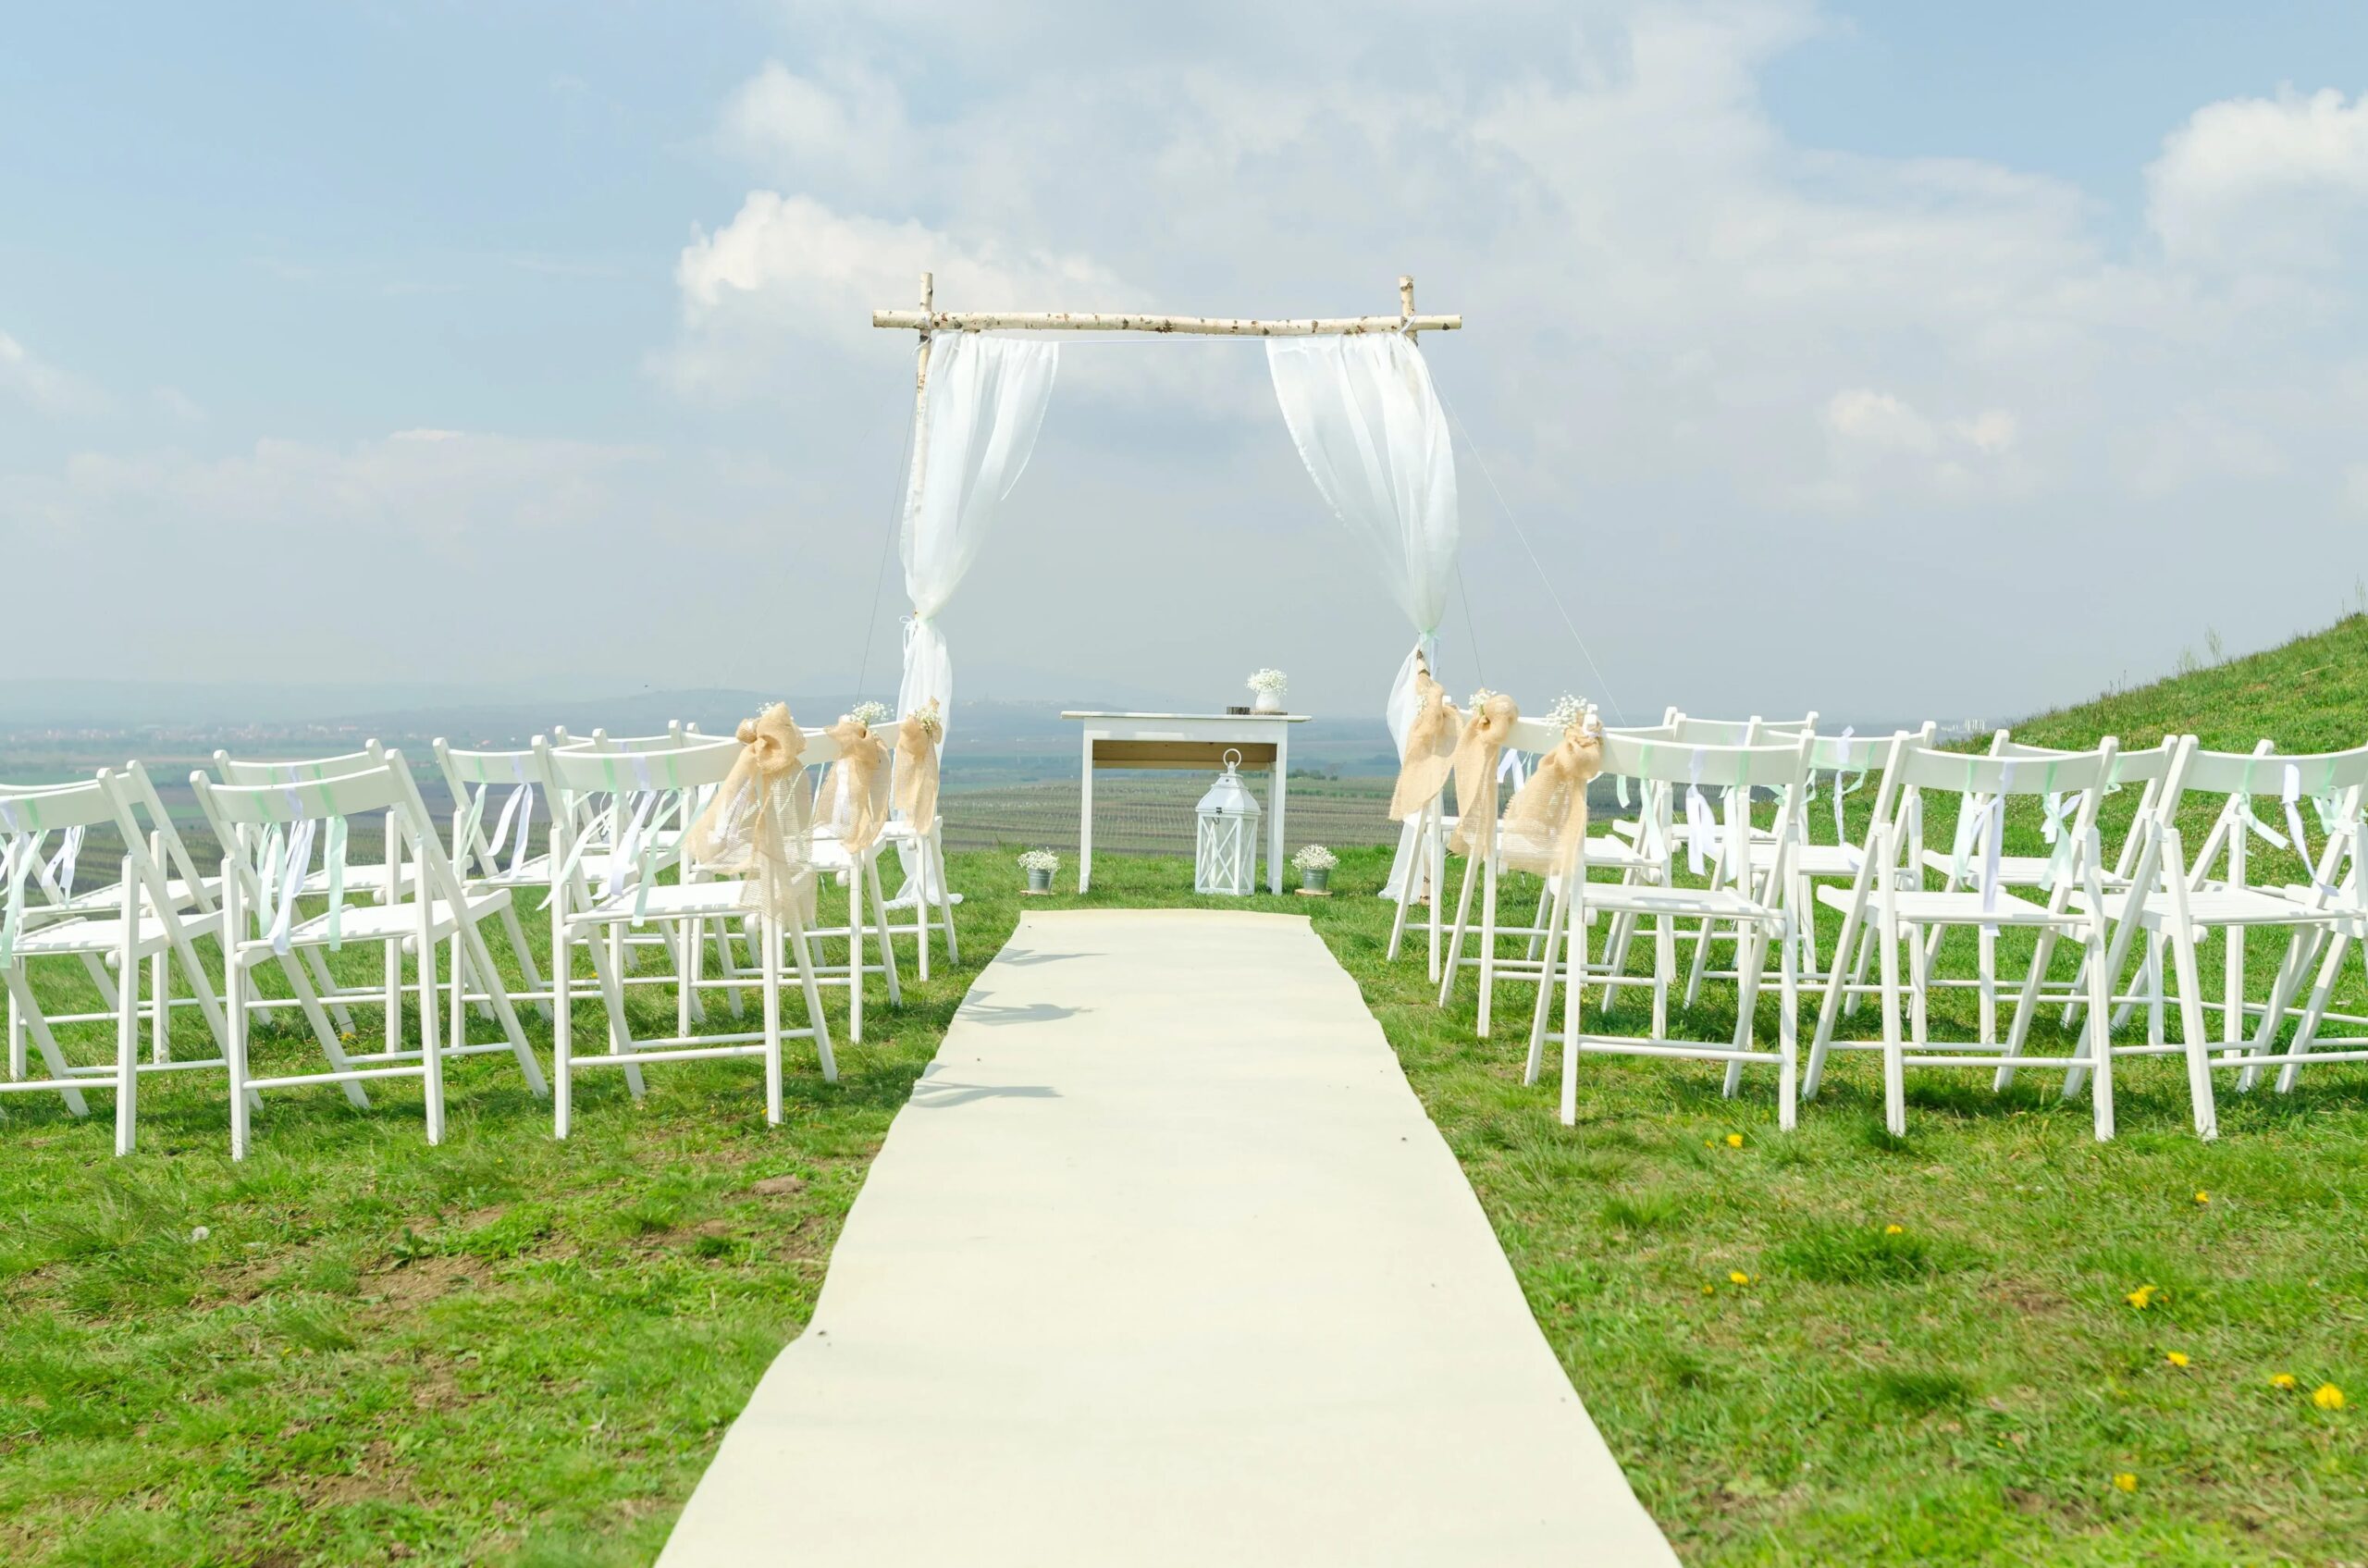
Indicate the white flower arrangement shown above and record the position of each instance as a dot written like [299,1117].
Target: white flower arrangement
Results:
[871,714]
[1040,860]
[1479,699]
[1315,858]
[1573,715]
[932,723]
[1269,680]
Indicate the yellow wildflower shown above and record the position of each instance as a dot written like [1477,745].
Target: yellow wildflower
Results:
[1894,1230]
[1737,1276]
[2203,1197]
[2326,1396]
[1735,1140]
[2142,1297]
[2284,1380]
[2176,1358]
[1709,1290]
[2125,1482]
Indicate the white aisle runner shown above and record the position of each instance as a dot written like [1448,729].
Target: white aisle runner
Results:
[1164,1263]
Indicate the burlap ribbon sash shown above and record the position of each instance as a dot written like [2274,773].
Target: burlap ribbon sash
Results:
[1476,766]
[917,766]
[755,827]
[1430,749]
[1548,816]
[854,797]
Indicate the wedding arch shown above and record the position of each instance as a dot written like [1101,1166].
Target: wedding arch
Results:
[1356,393]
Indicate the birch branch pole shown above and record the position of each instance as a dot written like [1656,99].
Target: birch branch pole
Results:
[927,319]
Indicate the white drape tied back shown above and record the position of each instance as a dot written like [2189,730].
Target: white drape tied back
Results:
[980,413]
[1370,429]
[756,825]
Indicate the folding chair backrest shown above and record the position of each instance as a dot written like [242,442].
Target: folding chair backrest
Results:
[471,777]
[235,770]
[1681,764]
[1848,759]
[1717,732]
[1923,768]
[676,737]
[2331,782]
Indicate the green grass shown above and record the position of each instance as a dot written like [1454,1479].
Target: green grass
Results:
[510,1351]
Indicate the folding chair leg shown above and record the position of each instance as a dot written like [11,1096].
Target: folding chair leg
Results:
[1702,959]
[1788,1039]
[883,940]
[2193,1034]
[1572,1014]
[612,992]
[1988,961]
[482,957]
[528,971]
[1836,1000]
[1664,971]
[430,1029]
[769,966]
[1615,962]
[160,1007]
[2306,1033]
[1487,939]
[798,950]
[17,1063]
[1751,961]
[127,1020]
[1858,965]
[944,897]
[855,952]
[1920,1013]
[20,994]
[562,1022]
[729,963]
[1455,942]
[1887,938]
[2025,1005]
[2099,1037]
[234,1041]
[1416,848]
[1556,919]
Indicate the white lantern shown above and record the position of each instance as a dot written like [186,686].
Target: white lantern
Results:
[1225,851]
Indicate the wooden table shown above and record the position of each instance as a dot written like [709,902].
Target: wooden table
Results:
[1189,741]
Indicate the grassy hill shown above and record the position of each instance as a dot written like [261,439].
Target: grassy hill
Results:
[2308,695]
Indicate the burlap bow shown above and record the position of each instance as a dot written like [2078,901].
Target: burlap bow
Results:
[756,826]
[1430,748]
[917,766]
[854,799]
[1548,816]
[1476,766]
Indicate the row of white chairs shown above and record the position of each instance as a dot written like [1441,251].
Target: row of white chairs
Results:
[1688,872]
[610,866]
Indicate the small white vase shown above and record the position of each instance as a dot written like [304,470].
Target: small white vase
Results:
[1266,702]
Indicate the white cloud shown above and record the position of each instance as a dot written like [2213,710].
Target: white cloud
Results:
[2279,181]
[30,379]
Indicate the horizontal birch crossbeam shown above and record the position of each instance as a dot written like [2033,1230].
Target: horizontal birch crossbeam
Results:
[1187,326]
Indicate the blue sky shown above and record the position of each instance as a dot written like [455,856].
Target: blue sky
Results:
[1777,312]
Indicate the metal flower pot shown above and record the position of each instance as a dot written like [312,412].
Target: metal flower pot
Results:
[1316,879]
[1039,881]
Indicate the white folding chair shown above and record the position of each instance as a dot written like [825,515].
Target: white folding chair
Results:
[1731,898]
[143,925]
[270,832]
[867,920]
[2182,904]
[1888,894]
[631,896]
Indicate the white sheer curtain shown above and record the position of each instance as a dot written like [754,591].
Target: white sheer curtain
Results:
[980,416]
[1370,429]
[984,405]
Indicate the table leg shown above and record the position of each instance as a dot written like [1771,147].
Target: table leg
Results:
[1274,809]
[1085,820]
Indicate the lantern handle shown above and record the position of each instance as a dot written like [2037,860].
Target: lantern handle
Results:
[1232,759]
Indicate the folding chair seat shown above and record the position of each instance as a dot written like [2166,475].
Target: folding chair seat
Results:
[268,832]
[1732,896]
[138,930]
[635,898]
[1888,896]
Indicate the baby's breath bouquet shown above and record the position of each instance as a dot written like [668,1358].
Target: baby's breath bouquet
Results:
[871,714]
